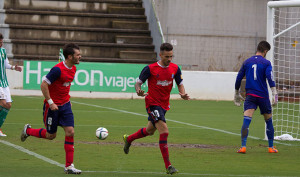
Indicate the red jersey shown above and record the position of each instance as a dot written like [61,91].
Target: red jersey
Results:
[59,79]
[160,83]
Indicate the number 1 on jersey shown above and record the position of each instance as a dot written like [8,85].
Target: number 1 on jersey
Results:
[255,67]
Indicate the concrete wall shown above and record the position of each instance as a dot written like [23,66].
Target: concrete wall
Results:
[198,84]
[212,35]
[153,24]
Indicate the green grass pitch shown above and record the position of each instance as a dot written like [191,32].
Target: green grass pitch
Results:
[203,140]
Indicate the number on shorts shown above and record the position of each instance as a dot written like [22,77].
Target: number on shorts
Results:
[49,120]
[155,113]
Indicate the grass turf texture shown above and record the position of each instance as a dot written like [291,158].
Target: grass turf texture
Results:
[194,151]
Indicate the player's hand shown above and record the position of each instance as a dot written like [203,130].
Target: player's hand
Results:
[184,96]
[141,93]
[18,68]
[53,107]
[238,98]
[274,96]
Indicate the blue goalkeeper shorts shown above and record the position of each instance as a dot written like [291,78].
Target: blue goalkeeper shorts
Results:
[264,104]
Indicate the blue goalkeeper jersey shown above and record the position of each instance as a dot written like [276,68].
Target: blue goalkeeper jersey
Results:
[257,70]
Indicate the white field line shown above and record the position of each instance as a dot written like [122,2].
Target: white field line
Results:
[20,148]
[117,172]
[124,172]
[179,122]
[117,126]
[188,174]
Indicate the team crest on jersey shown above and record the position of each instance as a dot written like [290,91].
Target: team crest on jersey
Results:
[164,83]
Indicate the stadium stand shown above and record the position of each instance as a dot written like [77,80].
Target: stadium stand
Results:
[106,30]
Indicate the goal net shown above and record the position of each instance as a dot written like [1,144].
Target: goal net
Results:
[283,33]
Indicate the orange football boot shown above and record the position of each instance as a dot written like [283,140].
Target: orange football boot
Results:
[242,150]
[273,150]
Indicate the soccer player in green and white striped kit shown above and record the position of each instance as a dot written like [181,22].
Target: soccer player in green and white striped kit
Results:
[5,97]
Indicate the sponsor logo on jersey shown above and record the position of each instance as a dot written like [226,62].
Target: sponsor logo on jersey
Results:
[66,84]
[163,83]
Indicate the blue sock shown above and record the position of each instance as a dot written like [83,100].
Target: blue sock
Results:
[270,131]
[245,130]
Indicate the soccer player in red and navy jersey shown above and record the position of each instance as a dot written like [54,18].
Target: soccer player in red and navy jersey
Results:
[57,107]
[160,76]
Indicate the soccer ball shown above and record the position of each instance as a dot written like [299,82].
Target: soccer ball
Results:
[101,133]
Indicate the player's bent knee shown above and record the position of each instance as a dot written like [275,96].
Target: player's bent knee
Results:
[50,136]
[69,131]
[150,133]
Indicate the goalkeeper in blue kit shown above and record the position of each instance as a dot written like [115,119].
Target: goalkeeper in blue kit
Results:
[258,71]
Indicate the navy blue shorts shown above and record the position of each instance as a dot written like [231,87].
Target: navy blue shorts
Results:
[264,104]
[62,117]
[156,113]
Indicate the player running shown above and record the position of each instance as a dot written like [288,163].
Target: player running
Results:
[160,77]
[57,107]
[257,70]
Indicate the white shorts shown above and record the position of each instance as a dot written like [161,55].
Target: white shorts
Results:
[5,94]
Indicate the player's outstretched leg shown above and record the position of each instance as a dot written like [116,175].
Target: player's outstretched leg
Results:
[141,133]
[72,170]
[24,135]
[244,134]
[171,170]
[126,144]
[270,135]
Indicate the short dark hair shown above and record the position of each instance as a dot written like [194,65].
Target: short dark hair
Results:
[166,47]
[263,46]
[1,36]
[69,49]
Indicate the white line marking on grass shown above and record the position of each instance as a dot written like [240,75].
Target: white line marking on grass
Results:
[20,148]
[117,172]
[160,173]
[77,110]
[179,122]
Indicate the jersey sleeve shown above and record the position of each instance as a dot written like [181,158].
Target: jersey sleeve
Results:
[269,75]
[240,77]
[178,77]
[53,75]
[145,74]
[7,65]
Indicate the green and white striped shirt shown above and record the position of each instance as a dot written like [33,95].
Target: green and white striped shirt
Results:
[3,78]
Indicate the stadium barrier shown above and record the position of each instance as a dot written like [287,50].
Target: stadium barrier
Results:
[203,85]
